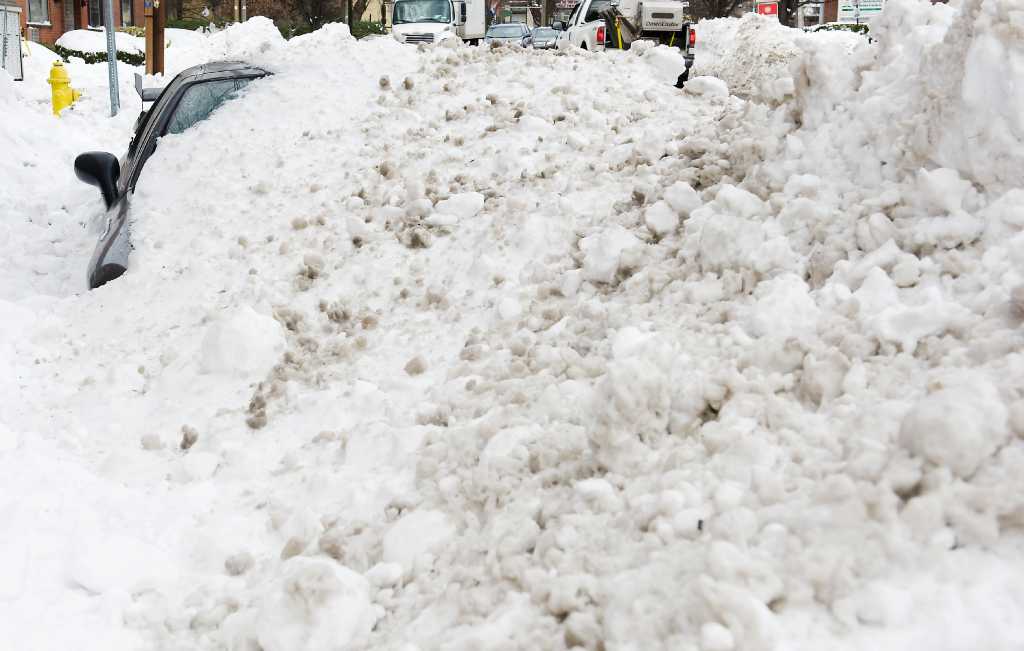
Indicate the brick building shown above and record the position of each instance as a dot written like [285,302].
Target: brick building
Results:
[49,19]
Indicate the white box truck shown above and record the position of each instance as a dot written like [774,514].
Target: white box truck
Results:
[433,21]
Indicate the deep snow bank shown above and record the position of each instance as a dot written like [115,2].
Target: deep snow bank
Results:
[564,367]
[752,54]
[942,88]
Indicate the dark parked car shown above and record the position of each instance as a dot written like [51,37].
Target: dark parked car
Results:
[188,99]
[508,33]
[544,38]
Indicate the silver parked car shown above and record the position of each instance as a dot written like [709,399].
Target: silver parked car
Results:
[517,33]
[543,38]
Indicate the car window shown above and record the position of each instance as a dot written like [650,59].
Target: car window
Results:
[200,100]
[595,9]
[572,16]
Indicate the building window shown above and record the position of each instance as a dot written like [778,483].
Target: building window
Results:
[95,14]
[126,13]
[38,11]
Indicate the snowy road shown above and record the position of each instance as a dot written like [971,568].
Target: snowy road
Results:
[500,349]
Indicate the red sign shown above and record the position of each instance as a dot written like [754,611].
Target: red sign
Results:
[768,8]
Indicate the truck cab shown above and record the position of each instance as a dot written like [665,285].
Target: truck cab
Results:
[434,21]
[585,28]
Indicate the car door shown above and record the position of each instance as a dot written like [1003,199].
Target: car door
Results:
[194,103]
[565,36]
[177,109]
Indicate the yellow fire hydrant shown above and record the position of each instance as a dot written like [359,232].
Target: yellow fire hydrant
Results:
[62,93]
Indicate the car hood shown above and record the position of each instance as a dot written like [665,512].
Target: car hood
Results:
[504,38]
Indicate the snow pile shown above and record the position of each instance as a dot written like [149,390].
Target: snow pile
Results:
[87,40]
[457,357]
[752,54]
[45,206]
[950,83]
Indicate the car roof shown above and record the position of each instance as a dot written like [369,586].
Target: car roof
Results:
[223,69]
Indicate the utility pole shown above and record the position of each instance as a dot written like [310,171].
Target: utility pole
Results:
[155,12]
[108,22]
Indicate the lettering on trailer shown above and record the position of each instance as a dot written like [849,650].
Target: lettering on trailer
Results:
[767,8]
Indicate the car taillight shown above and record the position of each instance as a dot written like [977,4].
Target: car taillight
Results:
[600,35]
[693,37]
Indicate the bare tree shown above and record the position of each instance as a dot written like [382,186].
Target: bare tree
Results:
[358,9]
[314,13]
[714,8]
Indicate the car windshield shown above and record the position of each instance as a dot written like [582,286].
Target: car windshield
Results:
[544,32]
[201,99]
[422,11]
[505,31]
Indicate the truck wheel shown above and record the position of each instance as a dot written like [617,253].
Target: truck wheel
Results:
[583,45]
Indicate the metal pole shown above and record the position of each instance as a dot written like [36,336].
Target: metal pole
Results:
[245,12]
[108,21]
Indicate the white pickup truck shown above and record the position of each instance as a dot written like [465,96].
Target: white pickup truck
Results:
[585,27]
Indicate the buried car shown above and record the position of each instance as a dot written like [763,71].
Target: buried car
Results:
[190,98]
[544,38]
[517,33]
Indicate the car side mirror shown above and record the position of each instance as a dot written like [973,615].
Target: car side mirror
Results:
[102,170]
[559,25]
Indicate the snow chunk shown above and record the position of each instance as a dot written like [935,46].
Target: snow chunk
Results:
[243,343]
[707,86]
[683,198]
[926,312]
[602,253]
[415,535]
[463,206]
[661,219]
[943,189]
[959,425]
[666,62]
[384,574]
[319,604]
[715,637]
[783,308]
[738,201]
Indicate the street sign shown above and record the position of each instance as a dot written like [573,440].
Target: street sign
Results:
[767,8]
[858,11]
[10,41]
